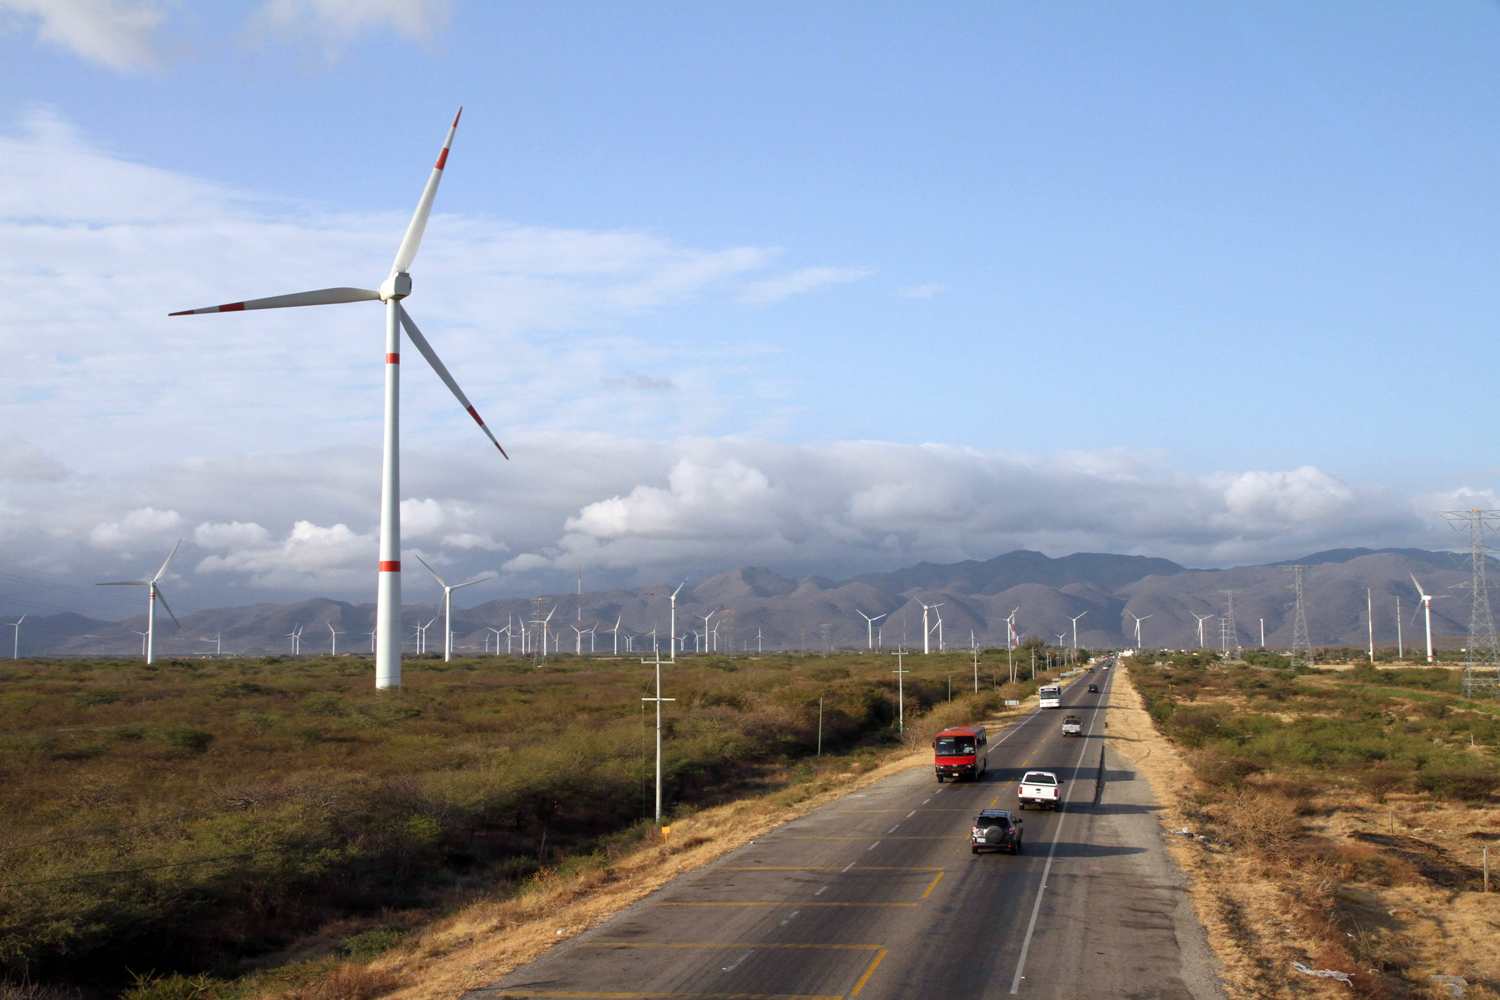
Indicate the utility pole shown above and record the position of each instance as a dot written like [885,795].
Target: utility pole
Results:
[900,673]
[658,699]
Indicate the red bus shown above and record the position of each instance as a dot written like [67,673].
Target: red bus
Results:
[960,752]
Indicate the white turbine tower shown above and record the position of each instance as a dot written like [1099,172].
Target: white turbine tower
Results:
[143,640]
[448,606]
[1201,620]
[333,640]
[296,636]
[153,594]
[672,635]
[870,625]
[543,623]
[218,641]
[1138,620]
[1075,633]
[16,647]
[926,632]
[396,287]
[616,632]
[1427,611]
[706,633]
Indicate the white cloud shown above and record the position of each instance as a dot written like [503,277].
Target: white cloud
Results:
[145,524]
[922,291]
[24,462]
[771,290]
[336,23]
[116,34]
[310,556]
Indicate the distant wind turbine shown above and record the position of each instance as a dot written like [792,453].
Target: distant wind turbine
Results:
[1075,631]
[926,631]
[1138,620]
[616,632]
[672,635]
[1427,600]
[16,647]
[296,636]
[143,636]
[218,642]
[448,606]
[396,287]
[1201,620]
[333,638]
[870,625]
[153,594]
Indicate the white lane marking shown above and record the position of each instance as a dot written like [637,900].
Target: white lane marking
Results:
[1015,984]
[925,801]
[940,791]
[789,919]
[911,814]
[847,867]
[873,846]
[892,829]
[821,891]
[736,965]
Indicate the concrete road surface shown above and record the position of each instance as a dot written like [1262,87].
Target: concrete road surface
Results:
[877,896]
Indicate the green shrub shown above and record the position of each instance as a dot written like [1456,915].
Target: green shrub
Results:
[188,738]
[366,945]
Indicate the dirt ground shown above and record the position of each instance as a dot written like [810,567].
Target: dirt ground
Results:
[1435,921]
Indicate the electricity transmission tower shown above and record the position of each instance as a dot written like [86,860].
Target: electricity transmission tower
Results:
[1300,637]
[1482,655]
[1229,635]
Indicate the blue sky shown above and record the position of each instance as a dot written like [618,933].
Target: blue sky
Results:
[1221,275]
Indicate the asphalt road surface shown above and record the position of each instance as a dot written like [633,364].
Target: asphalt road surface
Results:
[877,896]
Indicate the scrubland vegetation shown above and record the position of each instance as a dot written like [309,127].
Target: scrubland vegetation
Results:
[181,826]
[1339,819]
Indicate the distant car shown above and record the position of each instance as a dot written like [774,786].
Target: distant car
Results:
[1091,669]
[1072,726]
[1039,788]
[996,830]
[1093,689]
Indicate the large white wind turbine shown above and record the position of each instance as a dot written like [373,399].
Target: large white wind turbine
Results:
[926,632]
[333,640]
[396,287]
[1426,610]
[1201,620]
[16,648]
[870,625]
[1138,620]
[448,606]
[153,594]
[1075,631]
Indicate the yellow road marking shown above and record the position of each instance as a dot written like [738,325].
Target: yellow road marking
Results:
[597,995]
[935,881]
[816,868]
[724,944]
[779,902]
[868,973]
[997,801]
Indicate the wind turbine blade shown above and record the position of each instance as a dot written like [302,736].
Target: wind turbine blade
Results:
[413,237]
[125,583]
[162,597]
[437,365]
[168,560]
[431,570]
[320,297]
[1420,592]
[471,583]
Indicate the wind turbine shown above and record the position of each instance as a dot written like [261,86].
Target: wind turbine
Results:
[16,647]
[580,631]
[1075,633]
[498,633]
[448,606]
[1201,620]
[942,647]
[1427,611]
[543,623]
[396,287]
[1138,620]
[153,594]
[218,642]
[926,632]
[615,631]
[143,640]
[870,625]
[333,638]
[705,628]
[296,636]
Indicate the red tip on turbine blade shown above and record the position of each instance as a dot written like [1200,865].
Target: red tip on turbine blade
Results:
[232,307]
[475,414]
[502,452]
[442,159]
[185,312]
[457,116]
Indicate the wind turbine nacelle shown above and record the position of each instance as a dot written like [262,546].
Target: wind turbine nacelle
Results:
[397,286]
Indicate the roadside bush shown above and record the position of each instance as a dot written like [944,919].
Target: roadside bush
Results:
[1466,780]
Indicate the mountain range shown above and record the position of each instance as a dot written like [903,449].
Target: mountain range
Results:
[752,606]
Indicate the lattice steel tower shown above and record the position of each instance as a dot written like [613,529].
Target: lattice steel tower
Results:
[1300,637]
[1229,634]
[1482,654]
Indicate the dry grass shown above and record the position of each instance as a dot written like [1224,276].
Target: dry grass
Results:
[1297,870]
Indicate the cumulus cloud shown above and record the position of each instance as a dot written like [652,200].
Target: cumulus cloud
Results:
[22,461]
[117,34]
[136,527]
[309,556]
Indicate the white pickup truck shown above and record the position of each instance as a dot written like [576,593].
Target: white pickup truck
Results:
[1039,788]
[1072,726]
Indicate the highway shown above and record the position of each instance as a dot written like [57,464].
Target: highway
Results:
[877,896]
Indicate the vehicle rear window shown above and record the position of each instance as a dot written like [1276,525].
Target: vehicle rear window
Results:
[1000,821]
[954,746]
[1039,778]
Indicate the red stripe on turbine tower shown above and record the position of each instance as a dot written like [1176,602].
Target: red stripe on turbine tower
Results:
[390,565]
[393,359]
